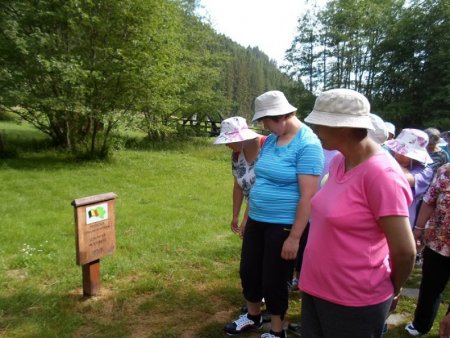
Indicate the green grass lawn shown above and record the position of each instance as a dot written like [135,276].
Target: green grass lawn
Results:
[175,269]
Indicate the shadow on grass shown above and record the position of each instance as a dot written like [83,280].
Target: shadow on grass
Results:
[34,314]
[199,311]
[43,157]
[164,313]
[40,161]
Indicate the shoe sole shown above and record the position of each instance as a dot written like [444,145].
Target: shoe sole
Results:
[244,331]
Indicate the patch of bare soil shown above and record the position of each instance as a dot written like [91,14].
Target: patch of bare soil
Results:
[18,274]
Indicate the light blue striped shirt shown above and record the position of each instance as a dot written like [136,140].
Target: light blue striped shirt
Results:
[274,197]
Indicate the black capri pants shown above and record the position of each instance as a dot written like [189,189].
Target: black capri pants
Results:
[263,272]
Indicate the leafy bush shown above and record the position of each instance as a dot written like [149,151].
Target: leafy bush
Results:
[161,132]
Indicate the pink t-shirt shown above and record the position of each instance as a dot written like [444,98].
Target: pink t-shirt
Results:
[346,259]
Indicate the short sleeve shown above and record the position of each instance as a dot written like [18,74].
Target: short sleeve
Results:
[310,160]
[435,187]
[389,194]
[422,180]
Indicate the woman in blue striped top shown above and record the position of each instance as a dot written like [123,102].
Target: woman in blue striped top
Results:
[287,176]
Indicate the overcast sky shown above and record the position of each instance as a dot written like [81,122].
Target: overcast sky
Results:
[270,25]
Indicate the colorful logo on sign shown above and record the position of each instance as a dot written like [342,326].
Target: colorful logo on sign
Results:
[96,213]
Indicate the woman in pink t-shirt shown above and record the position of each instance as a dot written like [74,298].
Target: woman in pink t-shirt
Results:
[360,248]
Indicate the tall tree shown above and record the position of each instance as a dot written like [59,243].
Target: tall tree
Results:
[413,84]
[74,68]
[302,56]
[397,54]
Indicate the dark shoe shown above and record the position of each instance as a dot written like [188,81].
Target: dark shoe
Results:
[242,324]
[295,329]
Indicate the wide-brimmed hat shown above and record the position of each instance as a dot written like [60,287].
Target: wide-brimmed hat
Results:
[341,108]
[411,143]
[234,129]
[272,103]
[390,127]
[442,142]
[379,133]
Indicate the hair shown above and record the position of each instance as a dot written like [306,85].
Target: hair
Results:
[278,117]
[433,135]
[359,133]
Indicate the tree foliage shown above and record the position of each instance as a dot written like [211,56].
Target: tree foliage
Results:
[72,68]
[248,73]
[396,53]
[79,70]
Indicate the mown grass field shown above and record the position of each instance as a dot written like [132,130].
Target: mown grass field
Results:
[175,269]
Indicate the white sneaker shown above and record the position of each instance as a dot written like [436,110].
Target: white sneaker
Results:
[412,330]
[242,324]
[271,335]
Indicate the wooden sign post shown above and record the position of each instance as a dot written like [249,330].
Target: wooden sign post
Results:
[95,236]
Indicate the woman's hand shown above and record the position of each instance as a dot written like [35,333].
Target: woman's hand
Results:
[234,225]
[394,302]
[290,249]
[418,237]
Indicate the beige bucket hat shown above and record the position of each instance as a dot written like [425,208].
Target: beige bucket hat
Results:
[341,108]
[272,103]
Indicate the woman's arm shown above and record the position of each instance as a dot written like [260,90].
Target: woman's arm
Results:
[425,212]
[402,249]
[251,149]
[238,197]
[243,222]
[308,185]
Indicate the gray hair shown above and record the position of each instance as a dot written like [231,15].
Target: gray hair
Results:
[433,135]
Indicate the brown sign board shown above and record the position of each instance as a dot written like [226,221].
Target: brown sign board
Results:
[95,231]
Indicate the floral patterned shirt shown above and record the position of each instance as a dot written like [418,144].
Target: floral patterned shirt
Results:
[437,231]
[243,171]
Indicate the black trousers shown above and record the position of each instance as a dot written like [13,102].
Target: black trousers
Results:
[435,276]
[263,272]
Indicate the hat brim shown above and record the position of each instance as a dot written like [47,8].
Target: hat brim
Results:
[339,120]
[441,142]
[399,147]
[242,135]
[286,109]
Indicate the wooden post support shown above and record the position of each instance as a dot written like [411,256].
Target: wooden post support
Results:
[94,236]
[91,278]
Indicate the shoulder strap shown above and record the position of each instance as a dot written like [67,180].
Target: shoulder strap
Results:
[261,142]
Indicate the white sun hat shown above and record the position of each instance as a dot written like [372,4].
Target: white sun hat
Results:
[272,103]
[234,129]
[411,143]
[380,133]
[390,127]
[441,142]
[341,108]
